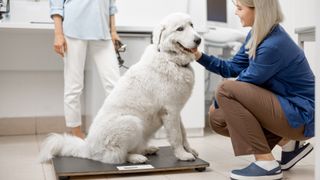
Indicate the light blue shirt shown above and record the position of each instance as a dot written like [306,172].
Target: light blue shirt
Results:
[84,19]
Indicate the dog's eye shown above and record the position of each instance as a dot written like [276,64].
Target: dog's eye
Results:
[180,29]
[191,24]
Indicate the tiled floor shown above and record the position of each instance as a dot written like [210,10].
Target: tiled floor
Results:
[18,161]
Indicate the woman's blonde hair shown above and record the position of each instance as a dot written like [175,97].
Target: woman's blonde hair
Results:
[267,14]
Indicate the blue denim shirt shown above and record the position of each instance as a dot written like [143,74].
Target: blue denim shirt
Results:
[84,19]
[279,66]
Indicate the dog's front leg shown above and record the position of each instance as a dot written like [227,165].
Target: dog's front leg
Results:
[172,125]
[186,144]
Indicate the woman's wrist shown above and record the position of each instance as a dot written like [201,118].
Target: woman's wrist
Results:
[58,33]
[198,55]
[113,30]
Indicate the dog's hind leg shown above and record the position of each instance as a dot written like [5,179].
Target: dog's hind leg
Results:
[114,156]
[146,150]
[151,150]
[124,135]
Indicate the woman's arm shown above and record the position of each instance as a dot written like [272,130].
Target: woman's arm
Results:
[112,21]
[57,14]
[113,29]
[225,68]
[60,45]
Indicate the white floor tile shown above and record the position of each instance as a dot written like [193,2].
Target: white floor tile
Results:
[300,172]
[18,158]
[147,176]
[209,174]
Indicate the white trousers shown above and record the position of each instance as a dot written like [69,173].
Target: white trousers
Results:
[103,54]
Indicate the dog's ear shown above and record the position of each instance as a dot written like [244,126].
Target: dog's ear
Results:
[157,35]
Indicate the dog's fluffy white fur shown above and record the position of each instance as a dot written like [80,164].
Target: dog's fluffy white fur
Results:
[152,93]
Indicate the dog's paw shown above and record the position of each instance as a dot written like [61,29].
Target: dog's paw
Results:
[151,150]
[136,158]
[185,156]
[192,151]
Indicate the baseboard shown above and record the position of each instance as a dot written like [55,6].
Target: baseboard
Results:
[44,125]
[32,125]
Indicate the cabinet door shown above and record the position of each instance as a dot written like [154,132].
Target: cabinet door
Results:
[136,44]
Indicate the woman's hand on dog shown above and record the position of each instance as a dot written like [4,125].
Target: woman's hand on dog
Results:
[197,54]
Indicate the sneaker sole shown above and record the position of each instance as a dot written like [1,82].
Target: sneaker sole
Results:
[270,177]
[295,160]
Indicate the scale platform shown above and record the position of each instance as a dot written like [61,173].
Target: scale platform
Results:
[164,160]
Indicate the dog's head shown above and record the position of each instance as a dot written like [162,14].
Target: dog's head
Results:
[176,35]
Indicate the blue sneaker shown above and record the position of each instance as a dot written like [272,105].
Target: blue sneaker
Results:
[254,171]
[289,159]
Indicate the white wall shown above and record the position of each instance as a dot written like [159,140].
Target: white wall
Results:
[150,12]
[197,11]
[147,12]
[300,14]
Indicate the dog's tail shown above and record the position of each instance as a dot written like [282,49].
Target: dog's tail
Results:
[63,145]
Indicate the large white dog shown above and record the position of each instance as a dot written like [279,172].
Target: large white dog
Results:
[152,93]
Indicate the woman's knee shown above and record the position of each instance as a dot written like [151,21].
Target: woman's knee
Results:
[225,88]
[215,121]
[232,89]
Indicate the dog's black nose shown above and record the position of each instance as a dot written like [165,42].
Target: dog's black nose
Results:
[197,41]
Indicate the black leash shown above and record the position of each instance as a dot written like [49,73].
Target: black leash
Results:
[120,47]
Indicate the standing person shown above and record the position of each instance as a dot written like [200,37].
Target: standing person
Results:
[272,100]
[84,29]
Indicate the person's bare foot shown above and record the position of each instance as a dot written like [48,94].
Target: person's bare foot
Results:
[76,131]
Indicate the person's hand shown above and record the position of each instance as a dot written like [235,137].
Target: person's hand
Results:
[115,37]
[60,44]
[197,54]
[211,109]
